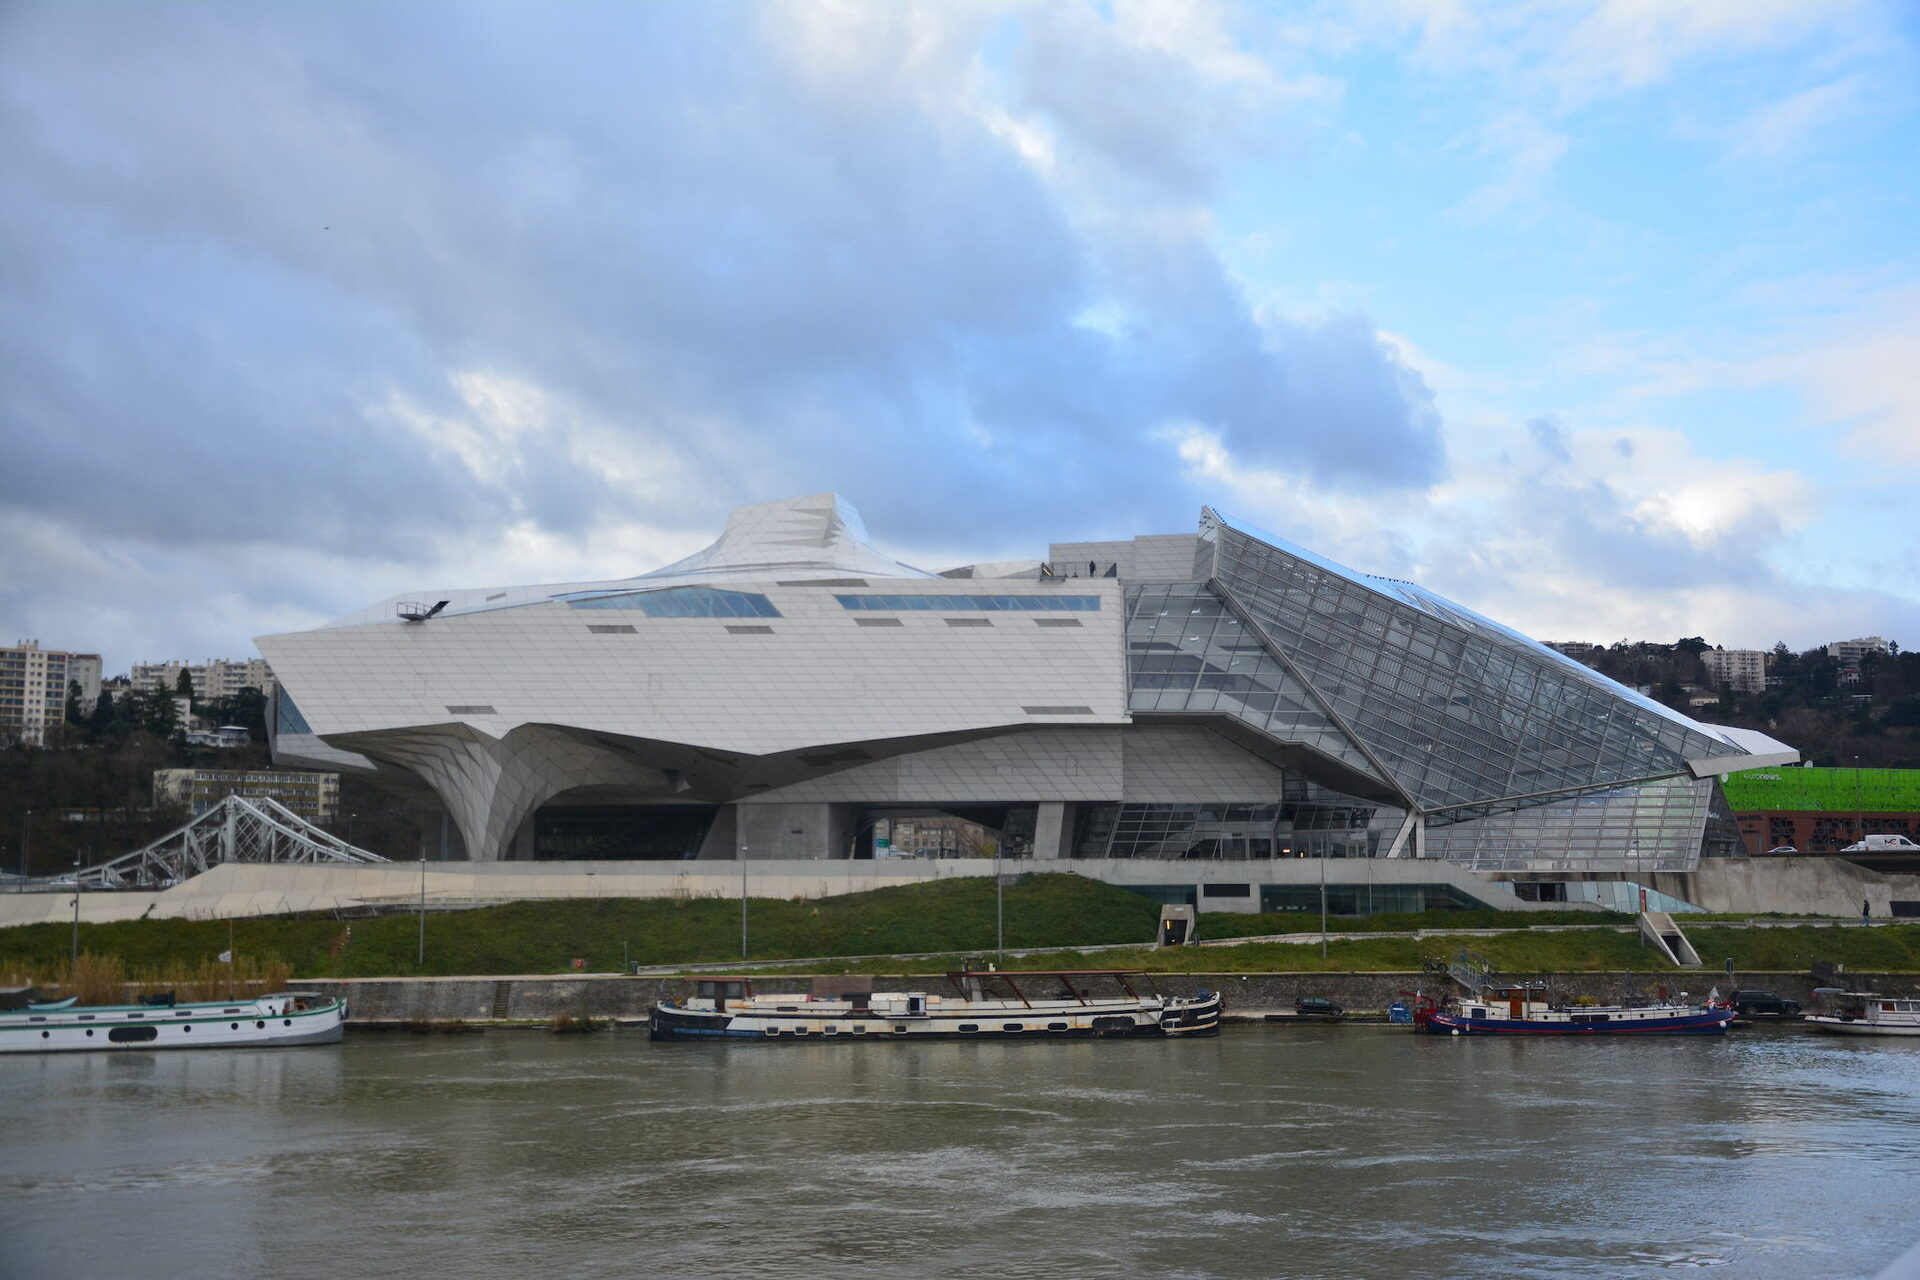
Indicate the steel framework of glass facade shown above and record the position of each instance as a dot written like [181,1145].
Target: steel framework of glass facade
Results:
[1514,756]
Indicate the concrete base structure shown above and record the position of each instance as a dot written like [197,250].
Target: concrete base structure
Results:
[1807,886]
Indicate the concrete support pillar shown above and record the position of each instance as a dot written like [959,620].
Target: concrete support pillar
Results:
[792,830]
[1053,830]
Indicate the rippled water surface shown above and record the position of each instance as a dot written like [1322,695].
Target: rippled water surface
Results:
[1326,1151]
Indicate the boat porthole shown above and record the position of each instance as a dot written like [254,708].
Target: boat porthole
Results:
[236,1026]
[1056,1026]
[1013,1026]
[45,1034]
[286,1022]
[89,1030]
[188,1028]
[259,1026]
[969,1026]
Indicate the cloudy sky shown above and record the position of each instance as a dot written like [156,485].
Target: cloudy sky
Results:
[1603,318]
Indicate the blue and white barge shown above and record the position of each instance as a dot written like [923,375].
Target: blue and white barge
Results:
[1524,1010]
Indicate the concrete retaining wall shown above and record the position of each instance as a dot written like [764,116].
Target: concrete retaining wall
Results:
[377,1002]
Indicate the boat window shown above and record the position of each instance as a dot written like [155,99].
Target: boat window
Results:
[180,1013]
[231,1011]
[45,1034]
[37,1018]
[899,1028]
[969,1026]
[1056,1026]
[122,1035]
[773,1031]
[86,1017]
[236,1026]
[1013,1026]
[1479,1013]
[859,1031]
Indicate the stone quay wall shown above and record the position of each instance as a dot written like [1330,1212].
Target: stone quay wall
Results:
[541,998]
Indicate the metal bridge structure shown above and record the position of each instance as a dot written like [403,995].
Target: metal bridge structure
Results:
[238,829]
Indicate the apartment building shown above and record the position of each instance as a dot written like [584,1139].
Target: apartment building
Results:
[214,678]
[1743,670]
[314,796]
[33,689]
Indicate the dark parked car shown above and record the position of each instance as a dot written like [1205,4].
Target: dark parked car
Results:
[1763,1004]
[1316,1007]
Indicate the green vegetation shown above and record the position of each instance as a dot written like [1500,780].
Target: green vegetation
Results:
[950,916]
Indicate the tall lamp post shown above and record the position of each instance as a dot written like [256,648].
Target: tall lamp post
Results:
[73,969]
[26,840]
[1323,904]
[743,902]
[421,962]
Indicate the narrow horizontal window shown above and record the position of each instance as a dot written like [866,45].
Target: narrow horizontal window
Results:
[1058,711]
[470,709]
[678,602]
[969,622]
[972,603]
[1057,622]
[878,622]
[621,630]
[750,631]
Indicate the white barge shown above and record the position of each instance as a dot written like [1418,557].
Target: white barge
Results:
[986,1004]
[286,1018]
[1864,1013]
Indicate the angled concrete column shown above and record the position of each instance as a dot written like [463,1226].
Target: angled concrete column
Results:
[1053,830]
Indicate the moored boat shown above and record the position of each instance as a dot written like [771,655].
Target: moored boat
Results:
[285,1018]
[1524,1009]
[985,1005]
[1864,1013]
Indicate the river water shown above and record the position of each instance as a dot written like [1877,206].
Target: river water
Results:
[1313,1152]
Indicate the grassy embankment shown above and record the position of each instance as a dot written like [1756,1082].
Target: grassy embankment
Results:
[946,916]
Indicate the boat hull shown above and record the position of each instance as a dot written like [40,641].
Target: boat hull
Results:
[214,1025]
[1038,1022]
[1699,1022]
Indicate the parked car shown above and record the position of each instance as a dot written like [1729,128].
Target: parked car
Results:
[1763,1004]
[1317,1007]
[1785,848]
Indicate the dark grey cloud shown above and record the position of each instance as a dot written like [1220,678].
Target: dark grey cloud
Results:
[245,246]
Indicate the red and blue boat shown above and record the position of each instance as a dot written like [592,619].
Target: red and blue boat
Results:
[1525,1010]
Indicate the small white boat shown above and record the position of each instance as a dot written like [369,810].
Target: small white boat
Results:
[1864,1013]
[286,1018]
[988,1004]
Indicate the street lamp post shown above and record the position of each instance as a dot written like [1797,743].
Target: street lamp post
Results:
[743,902]
[999,908]
[74,965]
[421,961]
[1323,904]
[26,841]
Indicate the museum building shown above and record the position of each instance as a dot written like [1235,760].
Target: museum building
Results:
[1128,707]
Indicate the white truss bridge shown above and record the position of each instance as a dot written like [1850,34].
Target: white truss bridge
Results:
[235,830]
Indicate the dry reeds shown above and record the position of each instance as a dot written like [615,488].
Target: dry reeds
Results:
[104,979]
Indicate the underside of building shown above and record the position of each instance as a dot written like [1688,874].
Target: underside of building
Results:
[793,693]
